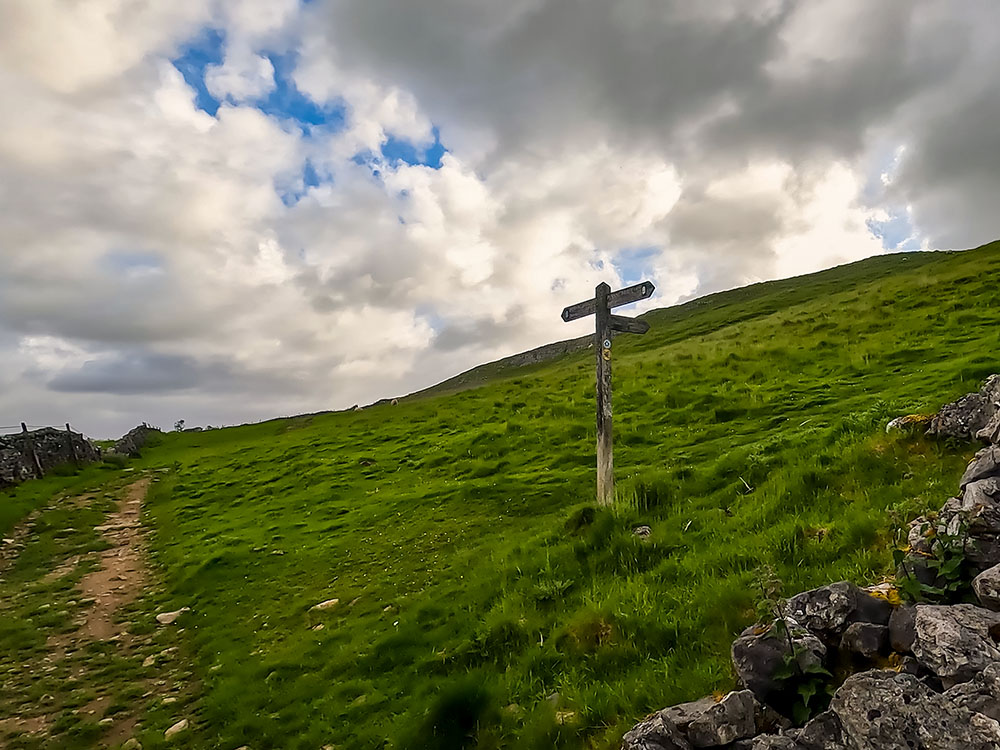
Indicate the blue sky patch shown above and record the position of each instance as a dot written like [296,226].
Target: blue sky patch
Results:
[309,178]
[896,233]
[286,102]
[397,150]
[633,264]
[203,50]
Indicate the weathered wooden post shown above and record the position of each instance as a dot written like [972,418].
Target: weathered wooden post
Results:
[71,445]
[30,446]
[606,324]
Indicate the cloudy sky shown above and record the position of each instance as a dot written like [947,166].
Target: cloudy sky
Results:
[225,211]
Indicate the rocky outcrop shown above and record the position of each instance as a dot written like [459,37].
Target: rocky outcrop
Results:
[133,441]
[954,642]
[987,588]
[761,653]
[828,610]
[943,691]
[27,455]
[971,415]
[891,711]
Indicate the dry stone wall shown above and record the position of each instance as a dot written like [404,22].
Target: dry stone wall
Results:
[133,441]
[911,664]
[30,454]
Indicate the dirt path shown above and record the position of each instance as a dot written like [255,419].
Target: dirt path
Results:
[87,667]
[122,574]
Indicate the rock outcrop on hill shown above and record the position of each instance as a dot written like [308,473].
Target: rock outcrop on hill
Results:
[26,455]
[923,675]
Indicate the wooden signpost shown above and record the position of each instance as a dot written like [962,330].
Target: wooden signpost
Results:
[600,307]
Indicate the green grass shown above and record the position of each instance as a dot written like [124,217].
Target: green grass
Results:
[484,601]
[17,502]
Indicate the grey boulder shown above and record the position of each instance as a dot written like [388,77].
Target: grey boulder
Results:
[902,629]
[987,588]
[823,732]
[760,652]
[955,642]
[655,733]
[731,719]
[965,418]
[882,710]
[865,639]
[775,742]
[683,714]
[973,520]
[828,610]
[985,464]
[991,432]
[981,694]
[825,609]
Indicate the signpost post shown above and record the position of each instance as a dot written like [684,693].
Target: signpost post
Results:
[600,307]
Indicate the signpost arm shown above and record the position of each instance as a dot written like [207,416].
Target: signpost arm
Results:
[602,345]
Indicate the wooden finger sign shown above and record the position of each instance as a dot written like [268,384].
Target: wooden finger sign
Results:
[600,307]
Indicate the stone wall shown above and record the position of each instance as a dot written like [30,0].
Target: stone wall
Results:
[26,455]
[133,441]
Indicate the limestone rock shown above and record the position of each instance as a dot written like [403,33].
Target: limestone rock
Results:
[759,652]
[865,639]
[132,744]
[328,604]
[169,618]
[987,588]
[654,733]
[176,729]
[991,432]
[954,642]
[981,694]
[965,418]
[985,464]
[642,532]
[768,720]
[825,609]
[974,516]
[729,720]
[891,711]
[683,714]
[822,732]
[902,629]
[774,742]
[828,610]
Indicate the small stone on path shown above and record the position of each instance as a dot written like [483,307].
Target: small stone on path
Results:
[168,618]
[176,729]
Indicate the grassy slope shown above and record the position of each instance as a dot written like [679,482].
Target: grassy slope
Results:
[474,583]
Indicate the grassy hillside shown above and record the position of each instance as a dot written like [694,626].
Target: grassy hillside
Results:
[483,601]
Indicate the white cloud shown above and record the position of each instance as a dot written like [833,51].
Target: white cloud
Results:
[242,76]
[152,270]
